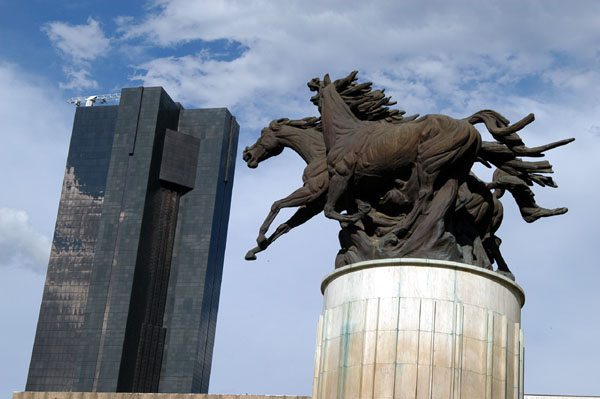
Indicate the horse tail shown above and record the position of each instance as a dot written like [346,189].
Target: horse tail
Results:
[504,154]
[500,127]
[505,133]
[505,151]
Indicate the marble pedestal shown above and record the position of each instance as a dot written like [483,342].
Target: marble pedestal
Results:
[419,328]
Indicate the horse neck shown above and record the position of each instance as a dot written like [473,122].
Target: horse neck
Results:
[336,116]
[308,143]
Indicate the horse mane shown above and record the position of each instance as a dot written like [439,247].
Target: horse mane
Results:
[312,127]
[304,123]
[364,102]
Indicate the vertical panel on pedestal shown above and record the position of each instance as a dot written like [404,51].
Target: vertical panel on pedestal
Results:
[381,347]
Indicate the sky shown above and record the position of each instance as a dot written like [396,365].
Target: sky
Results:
[255,57]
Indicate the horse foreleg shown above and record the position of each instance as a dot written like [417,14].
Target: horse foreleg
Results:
[303,214]
[427,231]
[337,187]
[299,197]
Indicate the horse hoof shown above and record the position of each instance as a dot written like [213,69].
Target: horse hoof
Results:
[250,255]
[390,240]
[506,274]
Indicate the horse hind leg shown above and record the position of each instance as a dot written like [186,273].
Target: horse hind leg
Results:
[428,233]
[492,246]
[418,187]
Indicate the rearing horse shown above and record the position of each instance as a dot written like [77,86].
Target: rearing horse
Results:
[424,149]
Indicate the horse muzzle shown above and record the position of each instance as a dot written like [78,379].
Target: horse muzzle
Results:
[249,158]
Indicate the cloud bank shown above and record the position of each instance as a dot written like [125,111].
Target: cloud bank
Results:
[435,57]
[20,244]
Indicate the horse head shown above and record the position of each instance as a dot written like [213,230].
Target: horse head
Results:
[267,145]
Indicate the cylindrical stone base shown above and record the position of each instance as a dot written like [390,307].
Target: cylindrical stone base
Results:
[419,328]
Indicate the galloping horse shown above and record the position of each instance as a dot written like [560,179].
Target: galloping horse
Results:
[310,198]
[427,200]
[436,152]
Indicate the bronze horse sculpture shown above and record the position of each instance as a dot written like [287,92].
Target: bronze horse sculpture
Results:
[308,143]
[405,185]
[434,154]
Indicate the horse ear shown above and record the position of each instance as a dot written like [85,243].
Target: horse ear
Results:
[326,80]
[314,84]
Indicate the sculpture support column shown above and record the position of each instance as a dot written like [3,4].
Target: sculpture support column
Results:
[419,328]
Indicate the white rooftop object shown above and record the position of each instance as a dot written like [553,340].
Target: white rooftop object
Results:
[90,100]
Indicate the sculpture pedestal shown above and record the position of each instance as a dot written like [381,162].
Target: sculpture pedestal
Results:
[419,328]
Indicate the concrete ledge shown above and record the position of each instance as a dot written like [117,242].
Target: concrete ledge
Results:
[443,264]
[559,397]
[119,395]
[108,395]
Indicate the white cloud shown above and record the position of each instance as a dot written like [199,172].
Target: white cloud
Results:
[78,79]
[34,145]
[80,43]
[20,244]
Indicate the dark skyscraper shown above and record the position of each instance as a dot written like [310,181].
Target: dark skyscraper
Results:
[132,291]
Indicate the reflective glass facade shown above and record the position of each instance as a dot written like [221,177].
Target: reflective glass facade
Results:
[54,357]
[134,278]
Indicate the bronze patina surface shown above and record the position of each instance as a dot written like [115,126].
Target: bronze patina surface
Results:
[403,186]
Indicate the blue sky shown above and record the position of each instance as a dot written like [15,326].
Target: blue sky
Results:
[255,58]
